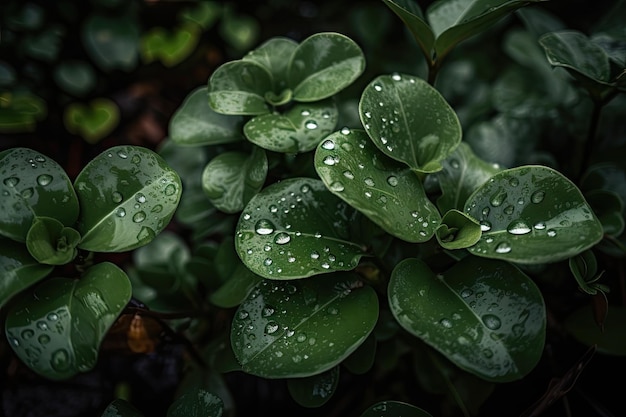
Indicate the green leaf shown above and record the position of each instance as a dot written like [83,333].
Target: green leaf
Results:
[610,340]
[463,172]
[121,408]
[394,409]
[20,111]
[161,263]
[485,316]
[204,14]
[231,179]
[196,402]
[240,31]
[49,242]
[44,45]
[92,121]
[409,121]
[299,129]
[294,329]
[314,391]
[353,169]
[32,185]
[609,208]
[362,360]
[324,64]
[274,55]
[239,88]
[532,214]
[74,76]
[169,46]
[458,230]
[112,42]
[236,288]
[128,195]
[57,329]
[411,14]
[296,228]
[195,123]
[18,269]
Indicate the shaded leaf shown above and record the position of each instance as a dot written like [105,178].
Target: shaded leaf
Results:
[196,402]
[121,408]
[610,340]
[112,42]
[314,391]
[394,409]
[49,242]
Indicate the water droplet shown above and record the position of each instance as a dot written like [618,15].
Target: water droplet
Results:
[498,198]
[40,158]
[337,186]
[264,227]
[540,226]
[243,314]
[328,144]
[492,322]
[301,337]
[514,182]
[518,228]
[317,235]
[136,159]
[315,255]
[44,339]
[122,154]
[282,238]
[503,247]
[551,232]
[466,293]
[509,210]
[392,180]
[170,189]
[486,211]
[28,192]
[117,197]
[396,77]
[369,182]
[348,175]
[267,261]
[487,353]
[446,323]
[268,310]
[305,189]
[42,325]
[311,124]
[305,113]
[368,194]
[485,226]
[140,198]
[27,334]
[271,327]
[139,217]
[330,160]
[455,163]
[378,87]
[60,360]
[44,179]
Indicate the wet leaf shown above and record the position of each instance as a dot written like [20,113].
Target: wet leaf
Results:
[352,168]
[49,242]
[409,121]
[362,360]
[239,88]
[457,230]
[314,391]
[196,402]
[112,42]
[57,329]
[296,228]
[236,288]
[33,185]
[394,409]
[485,316]
[274,55]
[532,214]
[294,329]
[94,120]
[231,179]
[127,194]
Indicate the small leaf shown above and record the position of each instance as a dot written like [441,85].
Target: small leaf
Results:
[274,55]
[294,329]
[324,64]
[394,409]
[92,121]
[532,214]
[112,41]
[239,88]
[20,111]
[297,228]
[196,402]
[51,243]
[31,185]
[299,129]
[169,46]
[457,231]
[231,179]
[127,194]
[411,14]
[76,77]
[355,170]
[409,121]
[18,269]
[195,123]
[485,316]
[57,329]
[314,391]
[121,408]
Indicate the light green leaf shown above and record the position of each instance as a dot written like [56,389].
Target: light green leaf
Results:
[20,111]
[411,14]
[49,242]
[239,88]
[94,120]
[274,55]
[169,46]
[457,230]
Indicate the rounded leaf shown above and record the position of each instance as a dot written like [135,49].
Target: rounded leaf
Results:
[297,228]
[196,402]
[57,329]
[316,390]
[324,64]
[274,55]
[299,129]
[169,46]
[239,87]
[49,242]
[112,41]
[532,214]
[292,329]
[394,409]
[485,316]
[355,170]
[231,179]
[74,76]
[127,194]
[409,121]
[92,121]
[31,185]
[458,230]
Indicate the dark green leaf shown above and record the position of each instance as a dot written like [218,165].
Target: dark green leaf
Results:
[239,88]
[362,360]
[314,391]
[293,329]
[76,77]
[485,316]
[128,194]
[49,242]
[112,42]
[20,112]
[411,14]
[121,408]
[394,409]
[457,230]
[196,402]
[236,288]
[609,208]
[610,340]
[57,329]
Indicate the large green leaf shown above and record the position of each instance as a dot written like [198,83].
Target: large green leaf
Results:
[57,329]
[324,64]
[298,129]
[532,214]
[409,121]
[485,316]
[394,409]
[18,269]
[297,228]
[127,194]
[112,42]
[292,329]
[231,179]
[239,88]
[355,170]
[31,185]
[195,123]
[196,402]
[411,14]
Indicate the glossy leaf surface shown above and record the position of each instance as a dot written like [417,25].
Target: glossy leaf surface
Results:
[292,329]
[274,55]
[485,316]
[316,390]
[49,242]
[195,123]
[532,214]
[18,269]
[299,129]
[394,409]
[128,194]
[57,329]
[296,228]
[32,184]
[239,88]
[324,64]
[409,121]
[196,402]
[231,179]
[94,120]
[352,168]
[236,288]
[458,230]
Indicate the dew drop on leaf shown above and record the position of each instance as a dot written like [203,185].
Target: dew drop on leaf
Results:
[551,232]
[44,179]
[518,228]
[492,322]
[328,145]
[264,227]
[498,198]
[503,247]
[139,217]
[282,238]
